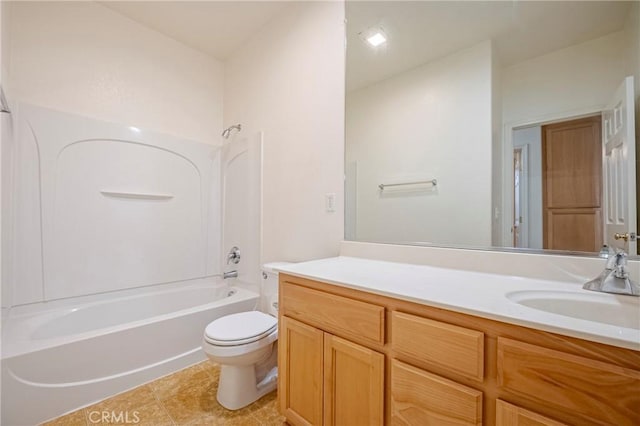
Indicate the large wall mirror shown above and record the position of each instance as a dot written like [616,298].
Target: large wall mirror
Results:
[492,124]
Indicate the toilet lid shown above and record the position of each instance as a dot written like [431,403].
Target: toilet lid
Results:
[240,328]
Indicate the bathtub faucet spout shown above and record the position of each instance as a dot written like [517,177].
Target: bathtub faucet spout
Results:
[230,274]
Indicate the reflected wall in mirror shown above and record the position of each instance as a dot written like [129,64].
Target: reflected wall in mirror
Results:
[492,124]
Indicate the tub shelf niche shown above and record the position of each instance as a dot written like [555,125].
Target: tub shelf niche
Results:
[136,195]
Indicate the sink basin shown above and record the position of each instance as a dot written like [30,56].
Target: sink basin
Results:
[622,311]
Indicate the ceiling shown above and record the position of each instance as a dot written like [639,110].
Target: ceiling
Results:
[217,28]
[418,31]
[422,31]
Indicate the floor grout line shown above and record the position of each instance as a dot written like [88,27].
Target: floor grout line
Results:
[159,401]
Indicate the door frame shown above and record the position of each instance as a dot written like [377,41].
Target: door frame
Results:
[507,158]
[524,201]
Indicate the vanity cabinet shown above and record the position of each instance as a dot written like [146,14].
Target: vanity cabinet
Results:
[324,378]
[350,357]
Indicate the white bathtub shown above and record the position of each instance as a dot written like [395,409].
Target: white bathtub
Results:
[63,355]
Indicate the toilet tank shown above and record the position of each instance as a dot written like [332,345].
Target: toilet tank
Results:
[270,287]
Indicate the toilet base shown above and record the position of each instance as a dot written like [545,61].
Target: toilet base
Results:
[239,385]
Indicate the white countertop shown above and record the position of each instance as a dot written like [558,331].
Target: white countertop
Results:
[474,293]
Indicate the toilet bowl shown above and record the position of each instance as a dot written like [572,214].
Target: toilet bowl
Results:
[245,346]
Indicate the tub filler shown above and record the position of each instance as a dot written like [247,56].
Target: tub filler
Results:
[62,355]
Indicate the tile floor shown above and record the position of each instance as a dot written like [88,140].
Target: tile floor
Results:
[187,397]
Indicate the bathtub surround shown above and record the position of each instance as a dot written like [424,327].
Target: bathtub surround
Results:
[92,196]
[242,205]
[186,397]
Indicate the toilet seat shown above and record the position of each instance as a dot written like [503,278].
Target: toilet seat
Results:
[240,329]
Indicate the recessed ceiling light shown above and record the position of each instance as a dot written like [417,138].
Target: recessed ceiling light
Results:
[376,39]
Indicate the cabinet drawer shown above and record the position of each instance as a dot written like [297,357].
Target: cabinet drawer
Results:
[357,320]
[422,398]
[511,415]
[592,391]
[433,342]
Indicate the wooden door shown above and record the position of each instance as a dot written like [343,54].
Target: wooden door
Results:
[353,384]
[300,372]
[572,185]
[618,133]
[511,415]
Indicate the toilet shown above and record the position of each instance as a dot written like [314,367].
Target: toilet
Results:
[245,346]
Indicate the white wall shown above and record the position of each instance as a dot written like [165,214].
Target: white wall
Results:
[497,180]
[288,81]
[83,58]
[565,81]
[430,122]
[531,137]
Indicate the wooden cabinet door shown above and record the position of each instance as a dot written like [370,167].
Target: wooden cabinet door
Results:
[511,415]
[422,398]
[353,384]
[300,372]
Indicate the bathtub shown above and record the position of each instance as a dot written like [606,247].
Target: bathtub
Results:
[62,355]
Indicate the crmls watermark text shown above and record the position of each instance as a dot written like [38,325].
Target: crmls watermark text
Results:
[104,416]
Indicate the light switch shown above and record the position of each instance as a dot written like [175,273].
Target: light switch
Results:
[330,202]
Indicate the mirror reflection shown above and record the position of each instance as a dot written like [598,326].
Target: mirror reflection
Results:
[492,124]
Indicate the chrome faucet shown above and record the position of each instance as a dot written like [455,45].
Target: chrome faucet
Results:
[230,274]
[233,256]
[615,277]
